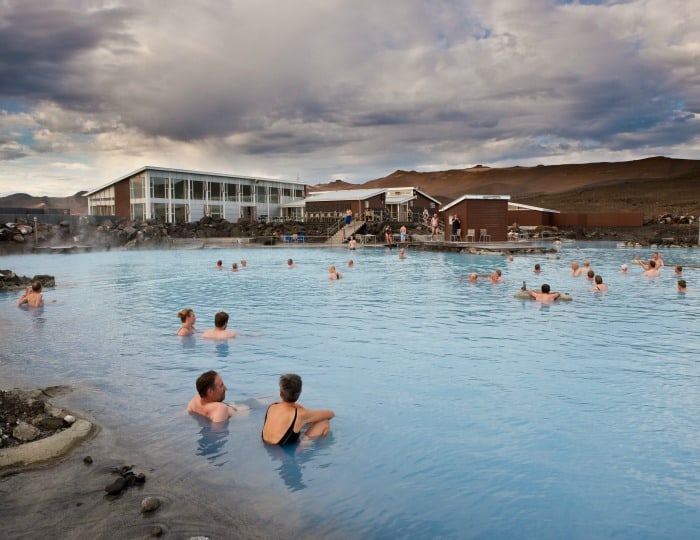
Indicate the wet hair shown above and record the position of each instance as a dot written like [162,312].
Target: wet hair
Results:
[652,263]
[290,261]
[545,288]
[679,268]
[234,266]
[290,387]
[219,262]
[221,319]
[205,381]
[681,283]
[590,274]
[184,313]
[599,279]
[36,285]
[537,266]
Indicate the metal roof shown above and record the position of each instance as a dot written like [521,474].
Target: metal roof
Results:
[343,195]
[475,197]
[518,206]
[186,171]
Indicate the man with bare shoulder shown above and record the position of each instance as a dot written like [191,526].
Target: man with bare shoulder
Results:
[208,402]
[285,420]
[32,296]
[545,295]
[219,331]
[651,270]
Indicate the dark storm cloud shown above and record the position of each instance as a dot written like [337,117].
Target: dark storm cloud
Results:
[42,45]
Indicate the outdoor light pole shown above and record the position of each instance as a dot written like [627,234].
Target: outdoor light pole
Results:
[36,232]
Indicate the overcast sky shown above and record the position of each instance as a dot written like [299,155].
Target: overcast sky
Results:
[328,89]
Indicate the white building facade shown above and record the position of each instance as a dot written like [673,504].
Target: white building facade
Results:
[181,196]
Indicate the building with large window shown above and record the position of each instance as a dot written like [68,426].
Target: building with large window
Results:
[178,196]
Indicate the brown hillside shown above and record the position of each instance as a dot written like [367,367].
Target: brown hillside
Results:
[653,186]
[77,204]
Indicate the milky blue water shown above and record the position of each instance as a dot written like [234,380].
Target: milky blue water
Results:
[461,411]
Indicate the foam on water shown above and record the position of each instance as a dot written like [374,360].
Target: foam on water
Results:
[461,412]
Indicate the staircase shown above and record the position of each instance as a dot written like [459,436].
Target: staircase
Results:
[345,231]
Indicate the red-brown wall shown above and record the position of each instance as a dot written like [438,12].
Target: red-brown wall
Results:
[122,198]
[477,214]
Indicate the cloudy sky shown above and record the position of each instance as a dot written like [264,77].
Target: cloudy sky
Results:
[328,89]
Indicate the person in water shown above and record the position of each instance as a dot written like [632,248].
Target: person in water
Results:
[211,392]
[32,296]
[545,295]
[333,273]
[188,319]
[285,420]
[219,331]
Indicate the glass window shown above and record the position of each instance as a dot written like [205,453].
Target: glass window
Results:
[181,213]
[179,189]
[274,195]
[137,186]
[215,191]
[138,211]
[198,190]
[216,211]
[260,194]
[159,212]
[159,187]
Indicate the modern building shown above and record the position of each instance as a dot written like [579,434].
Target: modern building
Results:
[176,195]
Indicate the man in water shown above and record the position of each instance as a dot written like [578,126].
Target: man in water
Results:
[219,331]
[545,295]
[284,420]
[32,296]
[208,402]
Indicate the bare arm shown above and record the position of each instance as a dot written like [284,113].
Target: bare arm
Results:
[309,416]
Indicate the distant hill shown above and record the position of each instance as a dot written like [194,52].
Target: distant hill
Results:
[77,204]
[646,185]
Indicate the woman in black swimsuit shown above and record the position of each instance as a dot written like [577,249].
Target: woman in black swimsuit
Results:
[285,420]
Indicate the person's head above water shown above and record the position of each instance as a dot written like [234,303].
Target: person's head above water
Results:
[290,387]
[221,319]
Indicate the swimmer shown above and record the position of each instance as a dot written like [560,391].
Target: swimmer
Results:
[681,285]
[284,420]
[510,258]
[496,276]
[211,392]
[537,269]
[545,295]
[599,285]
[352,243]
[351,263]
[219,331]
[234,267]
[473,277]
[188,318]
[402,253]
[575,270]
[290,264]
[623,268]
[651,270]
[678,270]
[333,273]
[32,296]
[244,263]
[219,265]
[590,275]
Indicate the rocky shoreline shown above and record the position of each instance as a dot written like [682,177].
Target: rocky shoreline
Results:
[89,233]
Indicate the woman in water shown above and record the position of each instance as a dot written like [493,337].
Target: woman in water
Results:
[188,319]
